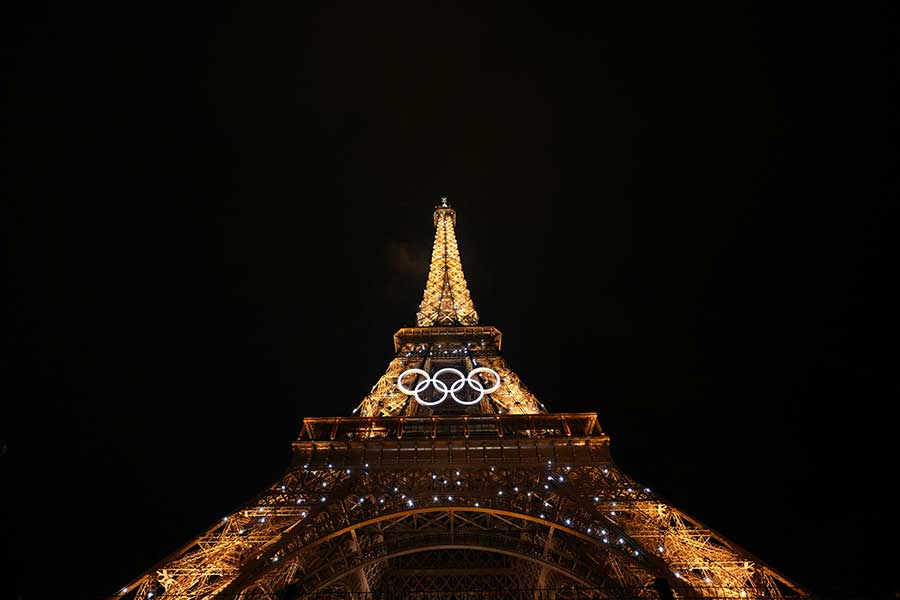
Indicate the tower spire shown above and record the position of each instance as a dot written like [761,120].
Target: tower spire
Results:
[446,301]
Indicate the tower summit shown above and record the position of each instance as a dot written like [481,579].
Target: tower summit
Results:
[446,300]
[450,480]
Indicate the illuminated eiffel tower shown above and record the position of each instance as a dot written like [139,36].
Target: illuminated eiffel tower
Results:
[451,480]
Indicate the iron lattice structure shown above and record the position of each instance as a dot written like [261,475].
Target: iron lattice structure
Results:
[446,300]
[490,496]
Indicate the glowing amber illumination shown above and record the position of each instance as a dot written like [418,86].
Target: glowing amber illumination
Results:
[433,502]
[446,300]
[448,336]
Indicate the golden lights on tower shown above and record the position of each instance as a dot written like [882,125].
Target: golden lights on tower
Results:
[479,468]
[446,300]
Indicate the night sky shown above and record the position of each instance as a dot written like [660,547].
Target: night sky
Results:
[680,217]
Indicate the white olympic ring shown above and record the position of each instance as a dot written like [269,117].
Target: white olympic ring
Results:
[454,387]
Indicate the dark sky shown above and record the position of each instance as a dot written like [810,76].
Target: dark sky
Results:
[681,217]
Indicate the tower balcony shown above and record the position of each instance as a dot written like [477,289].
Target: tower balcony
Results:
[573,438]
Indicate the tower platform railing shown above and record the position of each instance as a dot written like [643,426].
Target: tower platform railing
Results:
[451,427]
[452,439]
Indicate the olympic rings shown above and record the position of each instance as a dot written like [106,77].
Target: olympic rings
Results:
[452,389]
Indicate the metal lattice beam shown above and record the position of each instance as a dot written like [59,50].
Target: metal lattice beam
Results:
[590,524]
[446,300]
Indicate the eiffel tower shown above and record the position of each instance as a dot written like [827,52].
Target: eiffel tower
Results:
[451,480]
